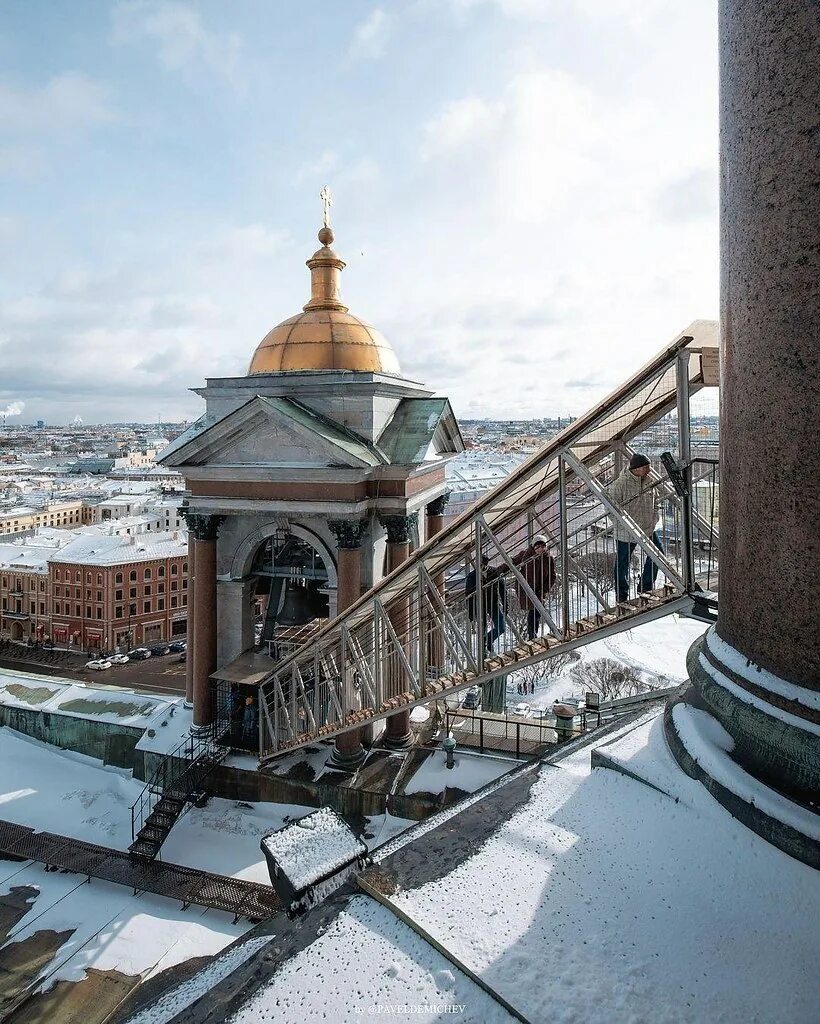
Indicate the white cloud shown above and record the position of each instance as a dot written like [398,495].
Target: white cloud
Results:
[68,102]
[183,42]
[318,168]
[371,36]
[459,123]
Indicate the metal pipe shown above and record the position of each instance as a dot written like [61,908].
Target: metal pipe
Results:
[562,501]
[480,617]
[684,457]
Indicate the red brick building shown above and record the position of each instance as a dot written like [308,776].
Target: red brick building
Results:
[123,592]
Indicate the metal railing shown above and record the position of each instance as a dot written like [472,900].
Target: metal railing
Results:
[478,602]
[173,775]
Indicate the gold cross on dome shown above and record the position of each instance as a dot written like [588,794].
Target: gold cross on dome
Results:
[327,202]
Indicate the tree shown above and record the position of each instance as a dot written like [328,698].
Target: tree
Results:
[610,678]
[599,569]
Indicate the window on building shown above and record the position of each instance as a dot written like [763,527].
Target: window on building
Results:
[56,606]
[88,577]
[184,600]
[132,609]
[161,571]
[88,611]
[184,566]
[146,607]
[160,604]
[118,612]
[118,578]
[147,574]
[88,595]
[77,611]
[99,579]
[99,595]
[99,613]
[132,592]
[118,595]
[174,569]
[148,590]
[173,601]
[160,588]
[42,607]
[133,576]
[33,608]
[173,584]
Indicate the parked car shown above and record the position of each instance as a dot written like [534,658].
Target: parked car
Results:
[523,710]
[178,646]
[119,659]
[139,654]
[98,665]
[183,657]
[158,650]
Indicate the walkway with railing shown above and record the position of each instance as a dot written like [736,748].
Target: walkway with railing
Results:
[478,601]
[174,881]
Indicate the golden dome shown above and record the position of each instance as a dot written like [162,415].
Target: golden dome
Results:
[325,336]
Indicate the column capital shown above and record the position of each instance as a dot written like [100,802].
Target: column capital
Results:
[348,532]
[437,506]
[399,528]
[201,527]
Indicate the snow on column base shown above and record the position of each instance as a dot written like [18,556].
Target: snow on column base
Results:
[774,724]
[703,749]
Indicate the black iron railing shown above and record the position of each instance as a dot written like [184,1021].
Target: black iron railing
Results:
[176,774]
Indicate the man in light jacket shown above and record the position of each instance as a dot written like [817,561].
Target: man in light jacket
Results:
[633,493]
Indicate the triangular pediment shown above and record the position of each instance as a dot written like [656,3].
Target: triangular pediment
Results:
[271,432]
[421,430]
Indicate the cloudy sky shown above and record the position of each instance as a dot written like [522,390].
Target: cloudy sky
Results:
[525,191]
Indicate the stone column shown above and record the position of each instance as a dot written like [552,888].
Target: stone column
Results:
[435,524]
[204,529]
[397,733]
[189,655]
[348,752]
[758,672]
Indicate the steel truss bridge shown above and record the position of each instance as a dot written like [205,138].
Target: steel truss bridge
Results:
[419,635]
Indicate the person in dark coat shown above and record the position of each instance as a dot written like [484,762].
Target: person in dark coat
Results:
[495,599]
[537,566]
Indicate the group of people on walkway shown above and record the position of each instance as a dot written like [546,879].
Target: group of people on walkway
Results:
[537,568]
[634,493]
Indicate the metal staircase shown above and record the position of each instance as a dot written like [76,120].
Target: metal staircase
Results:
[419,635]
[176,783]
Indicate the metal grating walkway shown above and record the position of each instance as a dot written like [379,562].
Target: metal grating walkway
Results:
[192,887]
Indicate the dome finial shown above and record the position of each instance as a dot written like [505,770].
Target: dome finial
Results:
[326,232]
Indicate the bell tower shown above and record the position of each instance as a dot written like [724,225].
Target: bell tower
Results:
[307,479]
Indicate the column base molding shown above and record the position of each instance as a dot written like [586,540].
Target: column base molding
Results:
[344,761]
[757,759]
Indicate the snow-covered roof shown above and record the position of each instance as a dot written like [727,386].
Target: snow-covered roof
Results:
[96,548]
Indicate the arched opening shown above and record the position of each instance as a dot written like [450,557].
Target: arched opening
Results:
[288,577]
[291,592]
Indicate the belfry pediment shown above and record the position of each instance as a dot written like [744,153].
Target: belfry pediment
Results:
[271,432]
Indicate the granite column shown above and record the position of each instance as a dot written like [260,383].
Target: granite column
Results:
[758,671]
[348,752]
[397,734]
